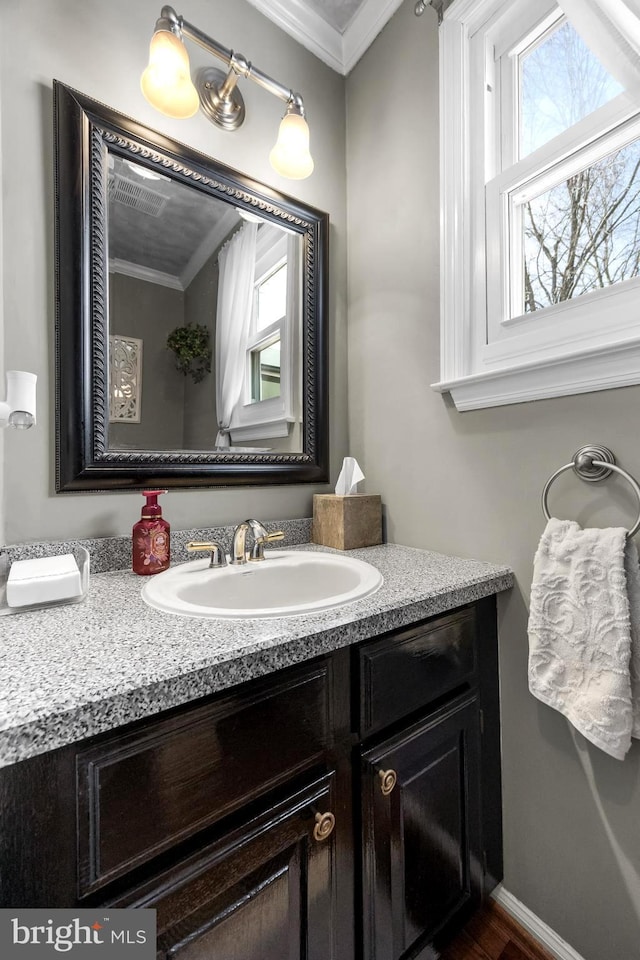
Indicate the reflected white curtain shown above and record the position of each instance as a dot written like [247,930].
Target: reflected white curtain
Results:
[611,29]
[237,264]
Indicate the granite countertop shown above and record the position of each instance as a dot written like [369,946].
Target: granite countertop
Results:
[70,672]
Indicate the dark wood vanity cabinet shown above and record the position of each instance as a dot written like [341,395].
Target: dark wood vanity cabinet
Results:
[348,807]
[421,832]
[429,780]
[265,891]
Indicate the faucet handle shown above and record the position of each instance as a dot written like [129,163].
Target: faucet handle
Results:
[218,556]
[257,551]
[276,535]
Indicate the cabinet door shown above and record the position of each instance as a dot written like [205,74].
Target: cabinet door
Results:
[267,891]
[420,832]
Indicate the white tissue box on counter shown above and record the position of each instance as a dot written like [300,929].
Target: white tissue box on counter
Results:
[46,581]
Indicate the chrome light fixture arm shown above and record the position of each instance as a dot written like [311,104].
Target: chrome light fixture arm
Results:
[167,85]
[238,64]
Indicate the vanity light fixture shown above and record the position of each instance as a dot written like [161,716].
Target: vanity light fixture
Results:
[166,84]
[19,409]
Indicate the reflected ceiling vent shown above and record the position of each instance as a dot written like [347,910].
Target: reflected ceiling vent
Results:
[136,195]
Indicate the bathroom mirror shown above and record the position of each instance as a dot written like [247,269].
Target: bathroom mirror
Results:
[191,335]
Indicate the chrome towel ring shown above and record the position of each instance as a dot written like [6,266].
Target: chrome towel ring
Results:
[592,463]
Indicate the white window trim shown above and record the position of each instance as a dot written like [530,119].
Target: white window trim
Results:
[265,419]
[613,361]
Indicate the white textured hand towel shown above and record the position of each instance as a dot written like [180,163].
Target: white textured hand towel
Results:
[584,631]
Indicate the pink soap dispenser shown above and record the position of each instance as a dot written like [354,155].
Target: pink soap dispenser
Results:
[151,551]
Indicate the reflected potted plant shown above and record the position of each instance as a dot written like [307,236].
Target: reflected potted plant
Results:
[192,350]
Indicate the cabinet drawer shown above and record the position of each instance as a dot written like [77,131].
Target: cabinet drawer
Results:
[143,792]
[406,671]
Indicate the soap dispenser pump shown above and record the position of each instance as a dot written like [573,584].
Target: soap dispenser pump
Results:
[151,544]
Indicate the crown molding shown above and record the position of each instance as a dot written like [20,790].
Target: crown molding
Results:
[138,272]
[307,27]
[339,51]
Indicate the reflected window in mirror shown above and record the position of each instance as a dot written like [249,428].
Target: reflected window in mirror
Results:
[269,315]
[265,372]
[271,396]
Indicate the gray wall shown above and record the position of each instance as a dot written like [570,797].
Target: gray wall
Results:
[103,56]
[470,484]
[149,312]
[201,300]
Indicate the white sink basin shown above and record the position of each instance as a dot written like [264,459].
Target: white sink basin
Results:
[286,583]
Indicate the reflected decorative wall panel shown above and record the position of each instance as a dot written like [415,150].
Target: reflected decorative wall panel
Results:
[125,379]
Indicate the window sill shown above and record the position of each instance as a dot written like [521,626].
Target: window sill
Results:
[605,368]
[266,430]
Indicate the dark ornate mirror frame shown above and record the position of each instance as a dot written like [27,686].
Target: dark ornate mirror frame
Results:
[84,129]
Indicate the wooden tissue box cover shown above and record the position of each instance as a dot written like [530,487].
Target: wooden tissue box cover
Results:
[347,522]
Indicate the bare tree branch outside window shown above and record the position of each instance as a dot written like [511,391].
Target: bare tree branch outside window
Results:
[584,233]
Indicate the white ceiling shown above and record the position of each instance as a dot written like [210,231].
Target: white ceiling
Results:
[337,13]
[337,31]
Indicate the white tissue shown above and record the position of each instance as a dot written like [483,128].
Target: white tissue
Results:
[43,580]
[349,478]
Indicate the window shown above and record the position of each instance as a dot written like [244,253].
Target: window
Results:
[264,347]
[271,296]
[265,372]
[560,82]
[267,405]
[580,235]
[541,238]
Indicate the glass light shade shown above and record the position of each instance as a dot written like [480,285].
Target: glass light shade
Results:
[291,156]
[21,399]
[21,420]
[166,83]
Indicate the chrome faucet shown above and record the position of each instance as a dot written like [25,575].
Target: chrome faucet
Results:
[260,537]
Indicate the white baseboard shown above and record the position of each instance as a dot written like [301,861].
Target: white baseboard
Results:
[549,939]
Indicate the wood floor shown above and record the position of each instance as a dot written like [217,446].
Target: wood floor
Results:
[493,935]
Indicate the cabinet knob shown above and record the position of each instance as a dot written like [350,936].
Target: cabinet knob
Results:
[388,780]
[325,822]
